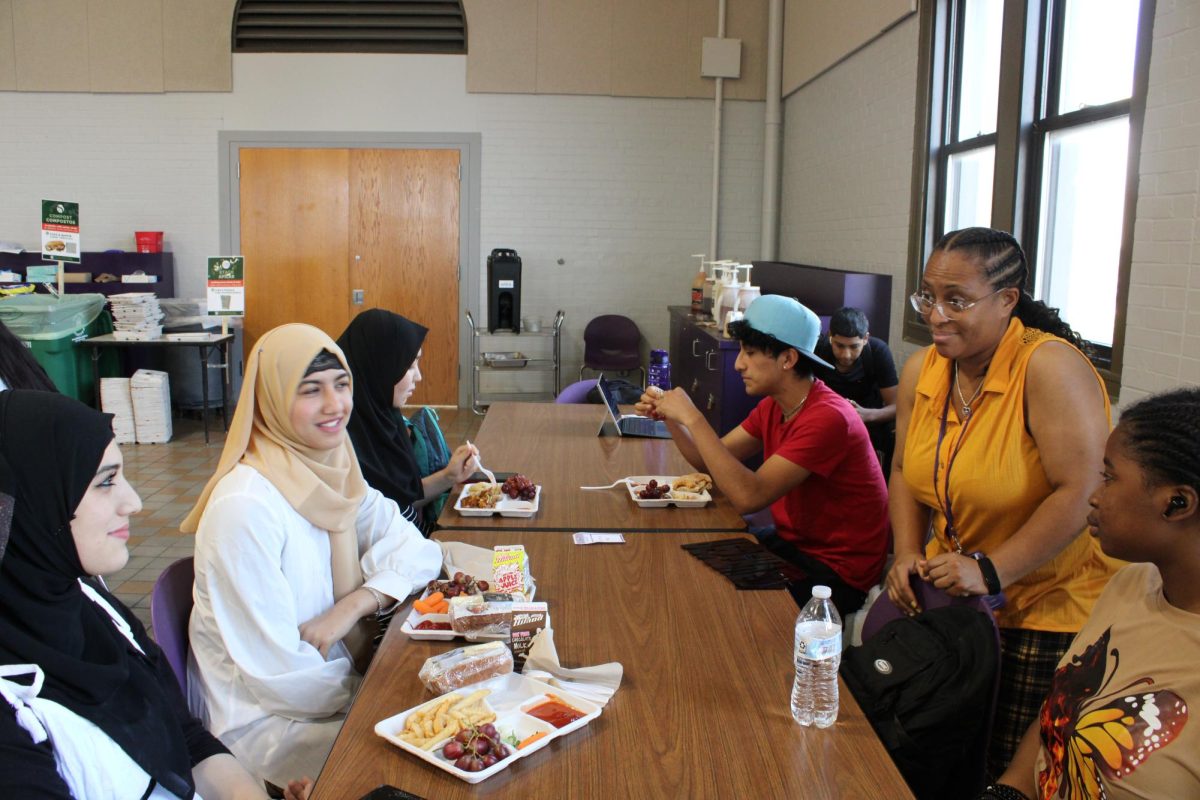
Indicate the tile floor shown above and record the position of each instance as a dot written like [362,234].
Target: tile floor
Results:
[169,478]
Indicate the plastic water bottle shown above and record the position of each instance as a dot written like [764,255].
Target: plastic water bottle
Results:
[659,373]
[818,654]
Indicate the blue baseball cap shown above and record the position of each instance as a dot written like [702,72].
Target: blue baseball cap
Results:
[789,322]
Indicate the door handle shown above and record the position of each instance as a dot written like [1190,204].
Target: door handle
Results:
[695,383]
[694,343]
[708,360]
[357,296]
[712,401]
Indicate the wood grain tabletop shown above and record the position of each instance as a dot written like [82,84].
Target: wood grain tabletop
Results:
[702,710]
[556,447]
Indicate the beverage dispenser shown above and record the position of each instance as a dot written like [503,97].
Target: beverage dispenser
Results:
[504,291]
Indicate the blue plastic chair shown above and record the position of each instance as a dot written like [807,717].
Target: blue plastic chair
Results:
[577,392]
[170,609]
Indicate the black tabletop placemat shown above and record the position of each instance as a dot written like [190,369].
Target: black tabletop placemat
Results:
[747,564]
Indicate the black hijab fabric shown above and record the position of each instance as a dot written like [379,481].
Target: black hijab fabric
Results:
[380,346]
[53,446]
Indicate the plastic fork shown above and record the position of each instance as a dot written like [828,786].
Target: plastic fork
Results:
[491,476]
[617,482]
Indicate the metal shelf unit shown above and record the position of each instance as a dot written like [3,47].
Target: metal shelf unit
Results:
[538,363]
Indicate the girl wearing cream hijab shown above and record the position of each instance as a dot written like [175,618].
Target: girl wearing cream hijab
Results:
[294,553]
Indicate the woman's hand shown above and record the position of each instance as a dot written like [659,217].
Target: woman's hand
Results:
[957,575]
[330,627]
[298,790]
[899,589]
[462,464]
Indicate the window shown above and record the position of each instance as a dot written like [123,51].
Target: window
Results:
[1032,115]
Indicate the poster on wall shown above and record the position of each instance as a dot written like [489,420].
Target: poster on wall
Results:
[227,286]
[60,231]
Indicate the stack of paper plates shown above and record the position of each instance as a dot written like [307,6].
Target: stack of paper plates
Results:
[136,316]
[151,393]
[115,399]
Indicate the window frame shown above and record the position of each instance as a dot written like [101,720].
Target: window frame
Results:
[1030,61]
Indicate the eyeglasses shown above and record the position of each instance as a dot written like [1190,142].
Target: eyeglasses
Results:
[924,305]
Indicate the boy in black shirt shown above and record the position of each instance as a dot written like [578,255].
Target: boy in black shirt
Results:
[865,375]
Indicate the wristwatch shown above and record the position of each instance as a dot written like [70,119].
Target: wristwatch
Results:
[990,578]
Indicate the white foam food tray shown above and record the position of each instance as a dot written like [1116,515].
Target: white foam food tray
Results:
[505,506]
[635,483]
[511,696]
[415,618]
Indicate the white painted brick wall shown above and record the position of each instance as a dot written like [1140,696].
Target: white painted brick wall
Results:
[618,188]
[847,170]
[1162,333]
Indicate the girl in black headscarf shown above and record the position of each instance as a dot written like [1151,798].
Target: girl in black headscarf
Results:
[103,714]
[382,350]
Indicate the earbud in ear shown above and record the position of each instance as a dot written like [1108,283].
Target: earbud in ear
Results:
[1176,503]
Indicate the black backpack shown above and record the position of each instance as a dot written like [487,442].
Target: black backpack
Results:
[926,683]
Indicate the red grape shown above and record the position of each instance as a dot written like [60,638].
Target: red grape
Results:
[488,730]
[488,760]
[483,745]
[464,736]
[453,750]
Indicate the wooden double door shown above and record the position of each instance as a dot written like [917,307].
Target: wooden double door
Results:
[330,232]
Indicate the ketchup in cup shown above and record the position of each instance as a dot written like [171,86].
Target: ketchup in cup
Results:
[555,711]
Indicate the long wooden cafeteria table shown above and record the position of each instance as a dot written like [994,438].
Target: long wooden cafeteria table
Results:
[556,447]
[703,706]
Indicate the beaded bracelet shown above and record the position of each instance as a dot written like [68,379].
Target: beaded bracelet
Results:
[1002,791]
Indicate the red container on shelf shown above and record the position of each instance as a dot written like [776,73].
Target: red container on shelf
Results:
[149,241]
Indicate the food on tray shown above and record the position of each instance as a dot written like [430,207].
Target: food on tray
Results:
[439,719]
[510,569]
[555,711]
[430,625]
[464,665]
[654,490]
[476,748]
[694,483]
[486,613]
[518,487]
[481,495]
[461,583]
[433,604]
[531,738]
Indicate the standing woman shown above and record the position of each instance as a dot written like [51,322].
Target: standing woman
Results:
[995,425]
[90,707]
[295,553]
[382,350]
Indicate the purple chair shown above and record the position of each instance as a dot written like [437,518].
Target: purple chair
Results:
[612,343]
[170,608]
[577,392]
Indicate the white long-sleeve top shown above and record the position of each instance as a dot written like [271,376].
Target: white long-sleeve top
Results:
[261,571]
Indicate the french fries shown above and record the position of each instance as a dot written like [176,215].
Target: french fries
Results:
[443,717]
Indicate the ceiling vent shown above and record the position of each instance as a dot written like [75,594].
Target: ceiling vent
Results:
[349,26]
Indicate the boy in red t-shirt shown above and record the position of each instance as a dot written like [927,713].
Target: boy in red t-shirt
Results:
[819,475]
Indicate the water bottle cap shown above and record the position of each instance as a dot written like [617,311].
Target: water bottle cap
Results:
[822,592]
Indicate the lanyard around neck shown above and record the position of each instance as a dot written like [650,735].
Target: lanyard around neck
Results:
[943,497]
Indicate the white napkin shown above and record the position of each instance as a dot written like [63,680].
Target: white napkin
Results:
[467,558]
[596,684]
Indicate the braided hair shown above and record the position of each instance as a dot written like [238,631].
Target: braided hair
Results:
[1003,263]
[1162,433]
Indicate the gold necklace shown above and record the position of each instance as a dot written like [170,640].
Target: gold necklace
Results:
[789,414]
[966,404]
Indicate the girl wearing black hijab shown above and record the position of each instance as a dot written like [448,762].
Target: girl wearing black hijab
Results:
[90,705]
[382,350]
[18,368]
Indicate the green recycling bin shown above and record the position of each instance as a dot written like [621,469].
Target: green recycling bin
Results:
[51,327]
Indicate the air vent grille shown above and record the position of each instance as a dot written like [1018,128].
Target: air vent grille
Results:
[358,26]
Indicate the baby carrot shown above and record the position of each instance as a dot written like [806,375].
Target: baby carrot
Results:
[422,606]
[531,739]
[434,598]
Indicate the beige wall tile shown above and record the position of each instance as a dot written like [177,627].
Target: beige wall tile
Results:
[574,47]
[702,22]
[197,45]
[747,20]
[502,45]
[819,33]
[125,45]
[51,45]
[650,48]
[8,59]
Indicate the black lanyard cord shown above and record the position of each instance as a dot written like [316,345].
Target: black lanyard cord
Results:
[945,504]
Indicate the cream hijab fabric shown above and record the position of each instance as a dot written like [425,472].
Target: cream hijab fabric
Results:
[324,486]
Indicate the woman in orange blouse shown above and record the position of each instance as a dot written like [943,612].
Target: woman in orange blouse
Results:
[997,425]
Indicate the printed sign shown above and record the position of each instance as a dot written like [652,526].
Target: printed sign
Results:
[227,286]
[60,231]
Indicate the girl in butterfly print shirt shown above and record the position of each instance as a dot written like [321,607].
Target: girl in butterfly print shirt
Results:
[1115,723]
